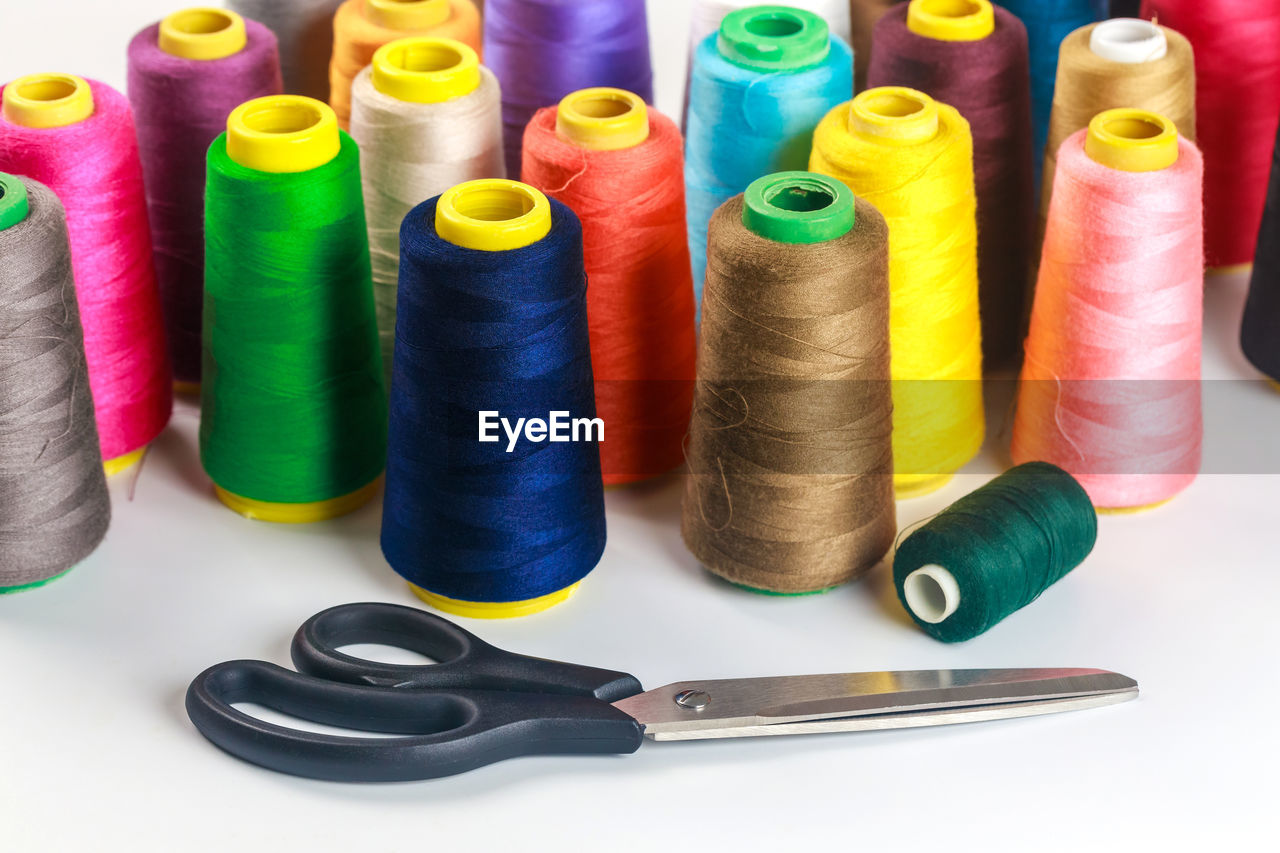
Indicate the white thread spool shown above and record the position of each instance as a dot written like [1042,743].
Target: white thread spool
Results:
[427,117]
[1131,41]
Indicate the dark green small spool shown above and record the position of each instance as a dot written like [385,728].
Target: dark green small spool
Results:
[1004,544]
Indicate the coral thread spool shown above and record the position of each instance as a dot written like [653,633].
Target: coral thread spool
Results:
[360,27]
[48,121]
[186,74]
[481,530]
[295,141]
[973,56]
[759,87]
[618,165]
[912,157]
[1110,389]
[426,117]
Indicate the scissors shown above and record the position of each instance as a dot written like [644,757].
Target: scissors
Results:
[479,705]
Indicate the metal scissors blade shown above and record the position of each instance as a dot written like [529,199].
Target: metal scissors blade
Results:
[807,704]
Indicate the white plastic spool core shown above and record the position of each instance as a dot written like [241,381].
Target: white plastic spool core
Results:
[932,593]
[1129,40]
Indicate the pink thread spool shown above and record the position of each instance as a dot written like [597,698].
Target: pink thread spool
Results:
[1110,388]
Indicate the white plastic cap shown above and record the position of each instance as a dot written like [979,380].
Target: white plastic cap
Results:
[1129,40]
[932,593]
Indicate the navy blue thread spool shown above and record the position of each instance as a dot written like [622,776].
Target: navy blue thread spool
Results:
[491,318]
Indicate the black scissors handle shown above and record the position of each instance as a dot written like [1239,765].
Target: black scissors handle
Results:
[463,660]
[442,732]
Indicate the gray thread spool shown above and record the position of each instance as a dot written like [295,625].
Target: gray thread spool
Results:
[54,506]
[304,29]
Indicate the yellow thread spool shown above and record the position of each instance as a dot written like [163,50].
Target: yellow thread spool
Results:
[1132,141]
[287,134]
[425,70]
[493,216]
[202,33]
[52,100]
[951,20]
[407,14]
[603,119]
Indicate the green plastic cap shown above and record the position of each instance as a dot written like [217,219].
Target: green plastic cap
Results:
[13,201]
[774,38]
[798,207]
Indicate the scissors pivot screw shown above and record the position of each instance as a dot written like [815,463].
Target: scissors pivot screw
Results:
[694,700]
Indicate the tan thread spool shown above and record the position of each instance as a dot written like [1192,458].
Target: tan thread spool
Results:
[790,446]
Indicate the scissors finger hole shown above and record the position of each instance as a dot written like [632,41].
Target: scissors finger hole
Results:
[393,655]
[288,721]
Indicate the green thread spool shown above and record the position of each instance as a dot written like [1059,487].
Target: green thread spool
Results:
[994,551]
[294,409]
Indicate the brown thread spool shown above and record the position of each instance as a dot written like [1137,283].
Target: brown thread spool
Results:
[790,447]
[1121,63]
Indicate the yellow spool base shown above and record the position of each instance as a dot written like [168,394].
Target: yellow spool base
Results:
[283,134]
[1231,270]
[190,389]
[494,610]
[407,14]
[425,70]
[1131,510]
[894,114]
[912,486]
[951,20]
[303,513]
[493,215]
[202,33]
[123,463]
[1132,140]
[47,100]
[603,119]
[1274,384]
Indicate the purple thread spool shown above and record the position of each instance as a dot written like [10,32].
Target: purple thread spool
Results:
[542,50]
[186,74]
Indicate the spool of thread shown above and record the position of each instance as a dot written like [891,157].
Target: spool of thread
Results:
[619,167]
[77,137]
[864,15]
[913,159]
[54,508]
[186,74]
[1048,22]
[1110,388]
[994,551]
[1237,107]
[707,15]
[973,56]
[426,116]
[1125,8]
[542,50]
[790,449]
[360,27]
[304,31]
[1260,331]
[293,427]
[759,88]
[492,318]
[1123,63]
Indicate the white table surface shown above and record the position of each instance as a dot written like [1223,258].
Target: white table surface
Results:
[96,752]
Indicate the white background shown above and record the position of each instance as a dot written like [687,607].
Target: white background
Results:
[96,752]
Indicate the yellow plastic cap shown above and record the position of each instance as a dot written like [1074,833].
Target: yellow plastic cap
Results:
[425,70]
[47,100]
[951,20]
[493,610]
[407,14]
[894,114]
[120,464]
[203,33]
[1132,140]
[493,215]
[283,133]
[603,119]
[300,513]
